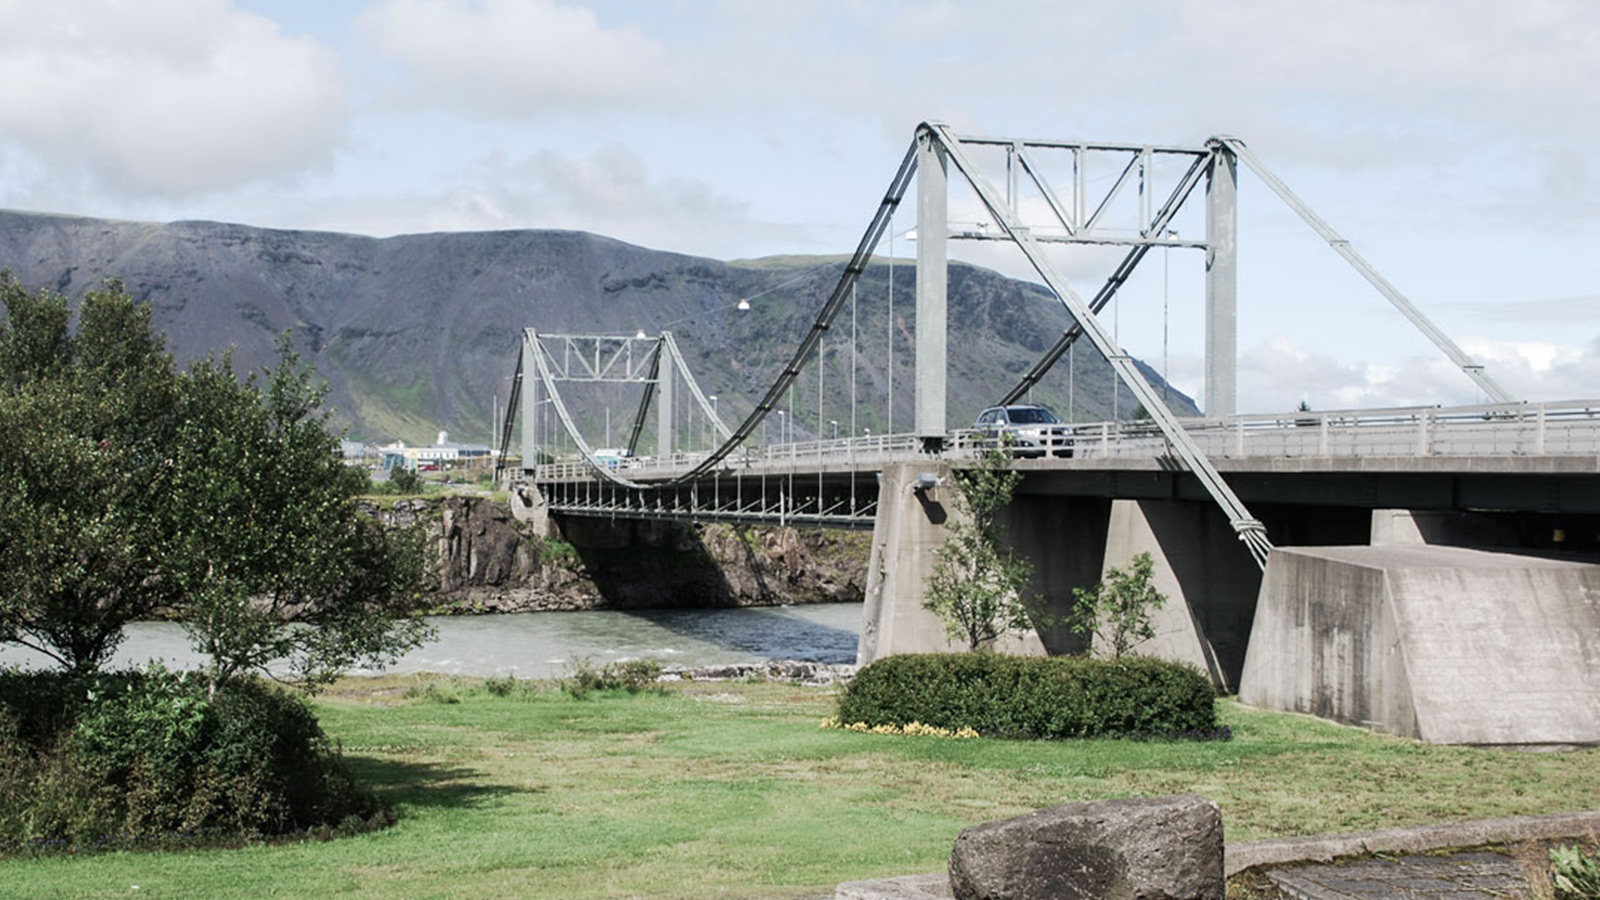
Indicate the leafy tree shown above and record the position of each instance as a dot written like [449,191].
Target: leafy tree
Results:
[88,420]
[128,488]
[977,585]
[284,569]
[404,481]
[1116,612]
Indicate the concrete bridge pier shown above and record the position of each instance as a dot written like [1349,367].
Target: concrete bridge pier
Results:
[1207,575]
[906,537]
[528,504]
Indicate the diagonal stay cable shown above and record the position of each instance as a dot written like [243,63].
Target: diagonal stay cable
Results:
[680,365]
[644,401]
[1341,246]
[1249,529]
[836,301]
[510,420]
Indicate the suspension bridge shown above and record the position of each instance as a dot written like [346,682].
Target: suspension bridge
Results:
[1210,495]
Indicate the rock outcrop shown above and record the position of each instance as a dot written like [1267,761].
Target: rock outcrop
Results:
[489,562]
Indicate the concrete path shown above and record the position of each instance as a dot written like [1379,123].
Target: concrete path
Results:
[1458,876]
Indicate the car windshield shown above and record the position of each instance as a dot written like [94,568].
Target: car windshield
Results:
[1031,415]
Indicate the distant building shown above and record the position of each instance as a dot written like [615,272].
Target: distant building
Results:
[359,453]
[442,454]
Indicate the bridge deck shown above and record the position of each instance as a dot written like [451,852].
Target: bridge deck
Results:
[833,482]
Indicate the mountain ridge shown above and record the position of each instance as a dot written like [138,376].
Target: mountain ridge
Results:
[418,333]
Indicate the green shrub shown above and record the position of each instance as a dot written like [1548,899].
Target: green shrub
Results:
[1574,875]
[403,481]
[1033,697]
[558,553]
[501,687]
[147,759]
[434,692]
[631,675]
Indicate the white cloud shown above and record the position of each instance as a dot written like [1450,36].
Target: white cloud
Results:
[164,98]
[1539,370]
[515,57]
[612,192]
[1277,375]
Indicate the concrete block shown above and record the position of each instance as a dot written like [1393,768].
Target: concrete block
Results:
[1157,848]
[1446,644]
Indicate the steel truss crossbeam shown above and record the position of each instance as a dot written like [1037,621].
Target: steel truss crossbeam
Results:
[1083,219]
[602,358]
[1118,278]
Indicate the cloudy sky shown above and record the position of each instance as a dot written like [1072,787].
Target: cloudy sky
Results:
[1453,141]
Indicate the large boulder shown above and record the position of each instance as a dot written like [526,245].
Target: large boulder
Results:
[1158,848]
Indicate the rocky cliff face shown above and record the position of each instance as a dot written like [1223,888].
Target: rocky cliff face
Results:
[489,562]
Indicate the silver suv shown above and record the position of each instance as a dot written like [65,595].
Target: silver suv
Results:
[1028,430]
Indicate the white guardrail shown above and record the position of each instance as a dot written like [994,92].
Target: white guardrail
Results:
[1564,428]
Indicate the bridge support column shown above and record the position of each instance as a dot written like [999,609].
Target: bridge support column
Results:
[1207,575]
[933,275]
[1222,282]
[910,529]
[664,382]
[530,400]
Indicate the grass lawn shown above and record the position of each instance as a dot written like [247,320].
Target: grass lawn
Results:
[732,790]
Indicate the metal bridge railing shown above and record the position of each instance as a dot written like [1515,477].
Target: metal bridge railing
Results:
[1566,428]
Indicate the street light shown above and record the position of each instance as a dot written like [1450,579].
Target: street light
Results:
[782,422]
[835,424]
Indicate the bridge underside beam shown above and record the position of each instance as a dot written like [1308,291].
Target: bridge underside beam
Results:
[833,500]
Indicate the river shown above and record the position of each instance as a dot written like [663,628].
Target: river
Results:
[539,645]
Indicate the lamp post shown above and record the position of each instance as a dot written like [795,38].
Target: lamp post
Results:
[711,426]
[835,424]
[783,421]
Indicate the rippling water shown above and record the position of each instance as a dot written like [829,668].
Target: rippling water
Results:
[538,645]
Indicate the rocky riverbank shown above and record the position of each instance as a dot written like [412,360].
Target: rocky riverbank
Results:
[489,562]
